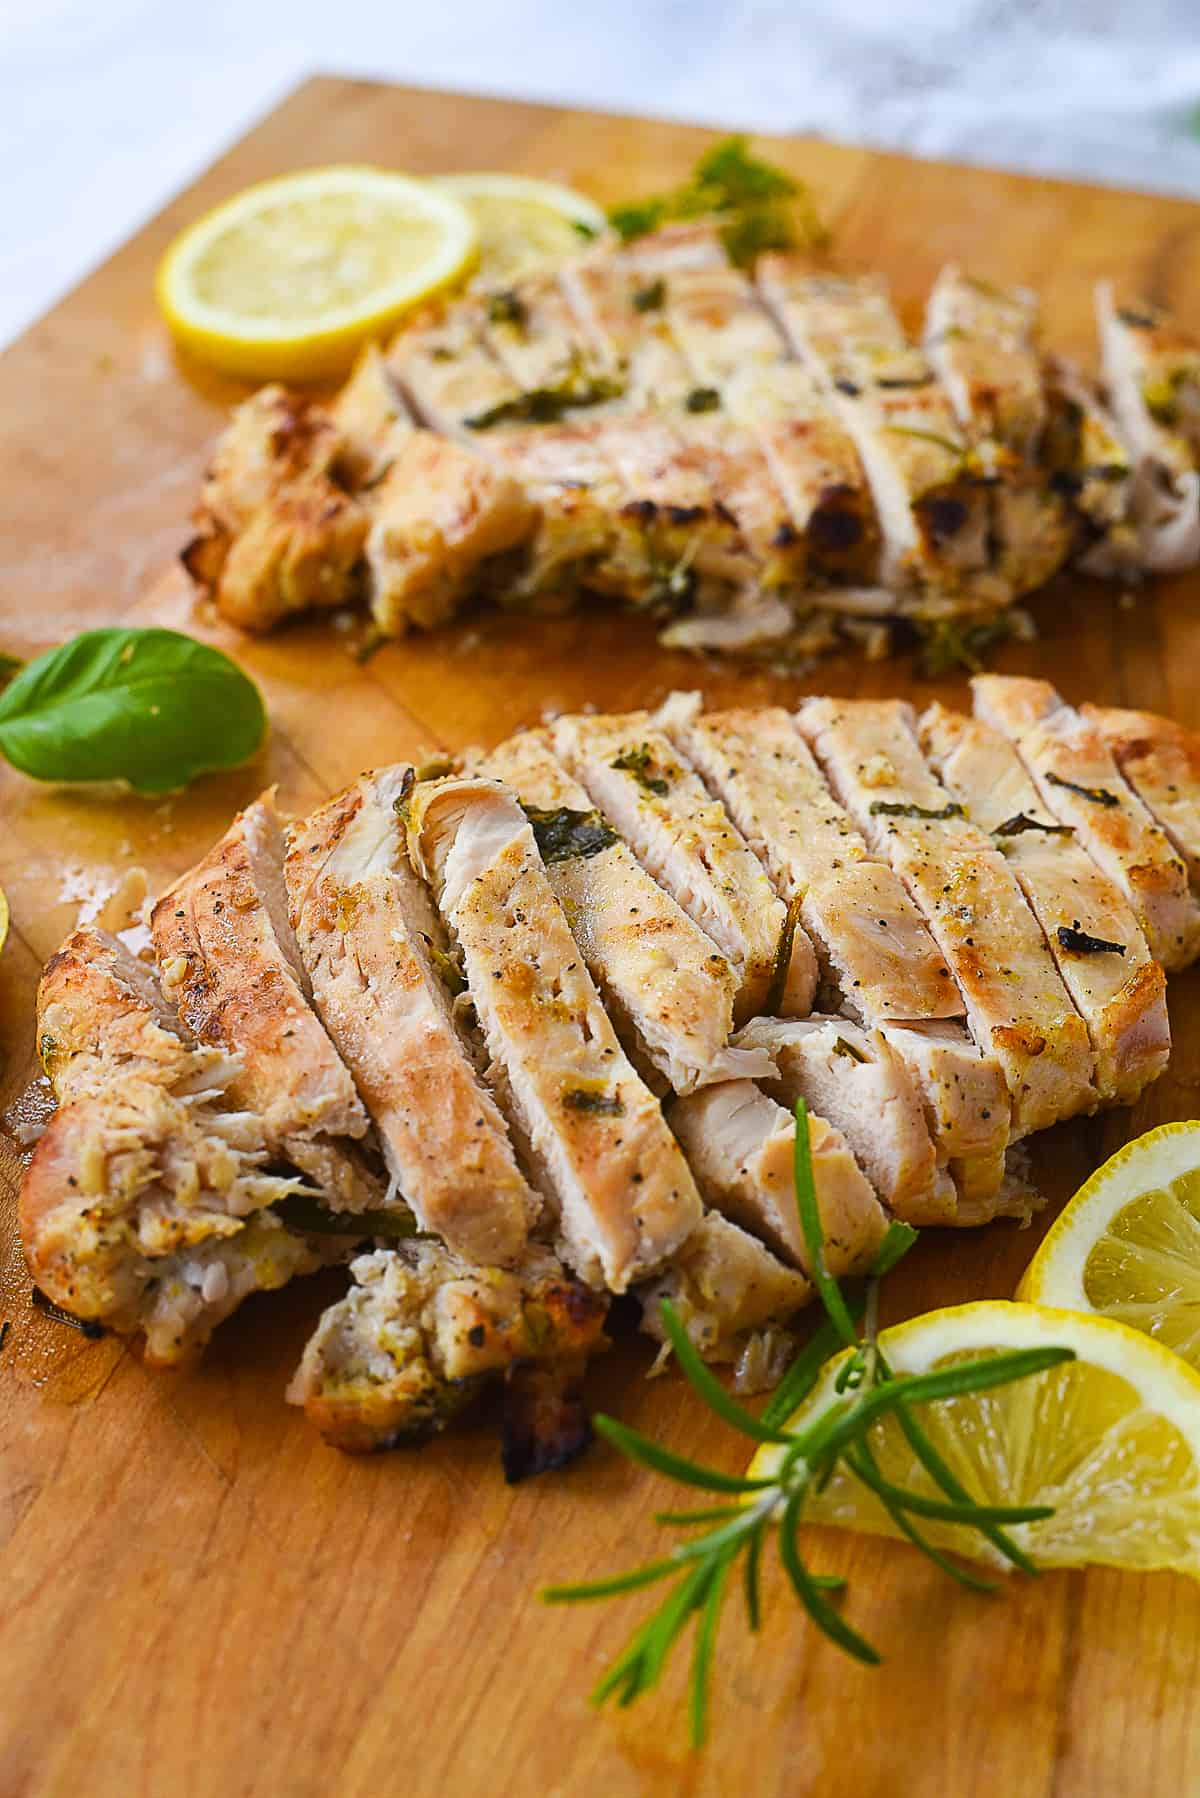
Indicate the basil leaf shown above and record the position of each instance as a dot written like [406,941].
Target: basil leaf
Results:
[151,707]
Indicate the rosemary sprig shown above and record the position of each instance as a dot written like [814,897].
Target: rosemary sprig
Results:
[867,1391]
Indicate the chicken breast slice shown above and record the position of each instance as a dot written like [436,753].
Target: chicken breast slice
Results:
[1017,1006]
[421,1333]
[277,531]
[440,517]
[375,953]
[724,1285]
[981,341]
[148,1203]
[712,319]
[101,1015]
[873,948]
[148,1210]
[228,958]
[1152,377]
[932,511]
[818,472]
[667,987]
[686,840]
[1095,939]
[878,961]
[967,1109]
[740,1145]
[1161,762]
[373,420]
[1081,785]
[1088,461]
[449,378]
[854,1080]
[596,1134]
[669,461]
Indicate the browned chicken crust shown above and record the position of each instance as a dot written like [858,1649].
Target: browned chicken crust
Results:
[421,1333]
[277,532]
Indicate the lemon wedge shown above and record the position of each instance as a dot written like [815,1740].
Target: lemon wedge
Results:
[289,278]
[1111,1440]
[1128,1244]
[3,917]
[524,224]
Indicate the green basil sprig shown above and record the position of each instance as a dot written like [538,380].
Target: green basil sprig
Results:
[147,706]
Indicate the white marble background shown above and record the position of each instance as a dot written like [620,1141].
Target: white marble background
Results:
[108,106]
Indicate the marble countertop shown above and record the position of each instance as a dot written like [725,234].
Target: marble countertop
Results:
[105,110]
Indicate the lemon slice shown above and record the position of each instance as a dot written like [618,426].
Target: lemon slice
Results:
[524,224]
[288,279]
[1111,1440]
[1128,1244]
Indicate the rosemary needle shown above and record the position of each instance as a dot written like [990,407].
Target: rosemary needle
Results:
[866,1392]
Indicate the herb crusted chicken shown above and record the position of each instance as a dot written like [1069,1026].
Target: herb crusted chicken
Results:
[533,1027]
[764,459]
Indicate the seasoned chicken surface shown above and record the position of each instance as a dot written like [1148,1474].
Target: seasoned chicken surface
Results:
[1018,1008]
[592,1128]
[724,1284]
[1106,966]
[1161,762]
[147,1206]
[277,530]
[228,958]
[1081,786]
[1152,375]
[668,988]
[375,952]
[871,942]
[741,1147]
[855,1080]
[764,460]
[981,341]
[687,842]
[931,509]
[422,1333]
[304,1074]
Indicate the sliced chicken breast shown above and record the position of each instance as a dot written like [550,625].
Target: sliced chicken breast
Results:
[1085,458]
[421,1333]
[741,1146]
[148,1205]
[449,378]
[228,958]
[1095,939]
[441,515]
[375,953]
[981,341]
[148,1210]
[932,510]
[101,1015]
[1161,762]
[874,950]
[724,1284]
[668,988]
[277,531]
[967,1108]
[818,473]
[1152,376]
[854,1080]
[1017,1006]
[686,840]
[1081,785]
[595,1132]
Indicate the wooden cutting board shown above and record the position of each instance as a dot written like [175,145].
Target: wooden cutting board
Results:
[199,1597]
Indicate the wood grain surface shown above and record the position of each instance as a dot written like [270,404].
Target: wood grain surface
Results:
[198,1597]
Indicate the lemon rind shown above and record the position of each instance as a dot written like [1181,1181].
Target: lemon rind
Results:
[1055,1276]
